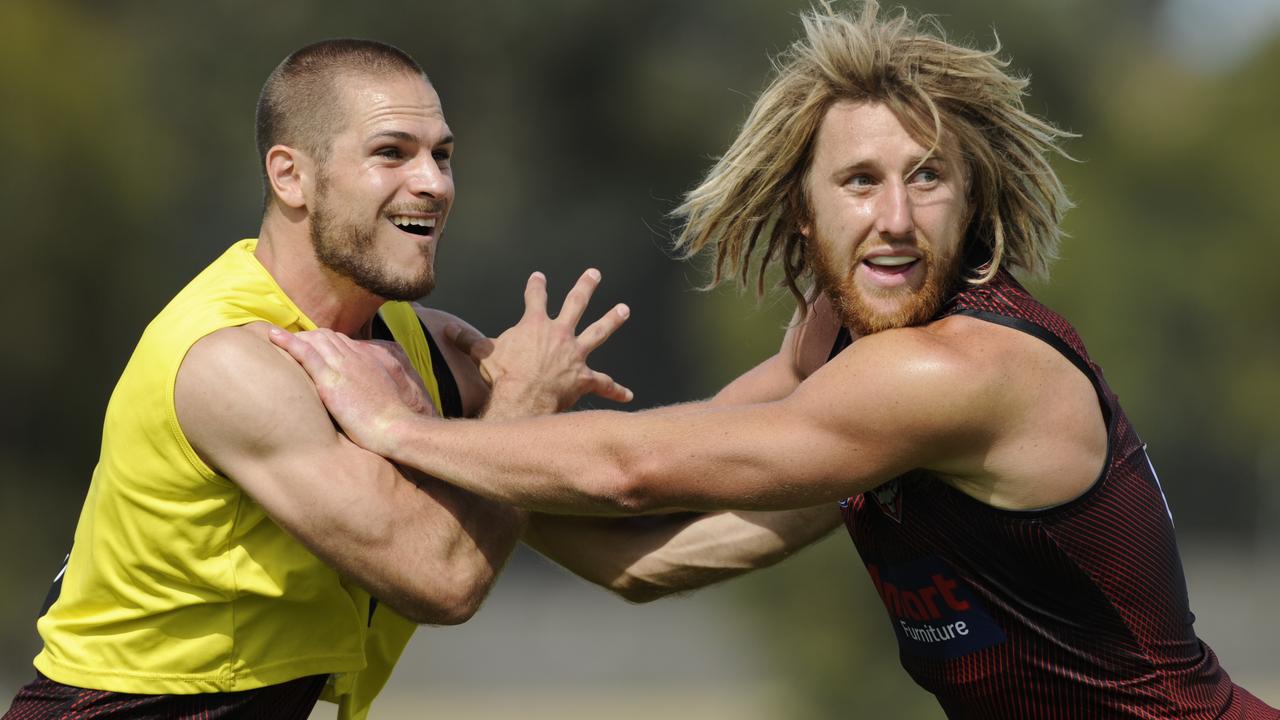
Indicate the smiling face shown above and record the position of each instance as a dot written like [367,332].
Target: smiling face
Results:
[887,219]
[382,195]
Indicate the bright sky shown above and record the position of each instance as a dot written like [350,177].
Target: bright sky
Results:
[1215,34]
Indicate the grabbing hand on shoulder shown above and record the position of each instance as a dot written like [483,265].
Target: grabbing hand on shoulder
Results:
[366,386]
[253,416]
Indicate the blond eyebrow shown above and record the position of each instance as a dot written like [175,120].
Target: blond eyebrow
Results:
[867,163]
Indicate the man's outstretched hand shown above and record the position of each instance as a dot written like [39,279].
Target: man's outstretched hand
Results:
[539,365]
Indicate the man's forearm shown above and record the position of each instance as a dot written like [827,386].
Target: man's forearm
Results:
[556,464]
[648,557]
[475,536]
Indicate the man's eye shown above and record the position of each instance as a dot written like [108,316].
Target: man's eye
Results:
[925,176]
[860,181]
[442,155]
[392,153]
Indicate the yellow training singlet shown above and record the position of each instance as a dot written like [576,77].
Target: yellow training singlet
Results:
[178,582]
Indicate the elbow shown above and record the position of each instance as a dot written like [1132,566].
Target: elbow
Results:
[453,597]
[638,591]
[628,488]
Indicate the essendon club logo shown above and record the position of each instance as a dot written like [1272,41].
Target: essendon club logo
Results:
[933,612]
[888,498]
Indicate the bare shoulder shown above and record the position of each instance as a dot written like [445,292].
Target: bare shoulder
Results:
[994,411]
[1029,370]
[1050,438]
[236,394]
[924,389]
[471,385]
[238,357]
[934,357]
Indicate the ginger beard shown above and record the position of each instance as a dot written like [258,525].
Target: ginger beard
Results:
[348,248]
[851,302]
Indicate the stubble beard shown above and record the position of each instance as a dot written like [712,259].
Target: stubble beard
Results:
[349,249]
[860,315]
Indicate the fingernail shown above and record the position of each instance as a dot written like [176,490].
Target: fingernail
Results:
[538,274]
[624,311]
[594,274]
[273,330]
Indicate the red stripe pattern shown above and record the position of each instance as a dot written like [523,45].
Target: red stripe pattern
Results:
[44,699]
[1077,612]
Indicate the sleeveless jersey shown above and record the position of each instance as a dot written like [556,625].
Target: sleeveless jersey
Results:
[177,581]
[1076,611]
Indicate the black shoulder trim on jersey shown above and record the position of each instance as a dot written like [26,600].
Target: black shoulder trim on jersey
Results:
[842,341]
[1108,413]
[450,396]
[1042,333]
[380,329]
[55,589]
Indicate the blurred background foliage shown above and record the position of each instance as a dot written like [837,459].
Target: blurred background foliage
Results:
[128,164]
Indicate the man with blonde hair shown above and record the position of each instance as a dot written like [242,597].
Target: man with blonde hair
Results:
[1005,509]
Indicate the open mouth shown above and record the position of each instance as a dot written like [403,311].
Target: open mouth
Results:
[891,264]
[422,227]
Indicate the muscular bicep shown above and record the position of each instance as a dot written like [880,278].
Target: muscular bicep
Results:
[425,549]
[253,415]
[878,410]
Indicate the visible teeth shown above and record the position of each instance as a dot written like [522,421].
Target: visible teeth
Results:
[891,260]
[402,221]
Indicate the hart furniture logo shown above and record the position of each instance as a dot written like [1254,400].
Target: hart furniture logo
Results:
[933,612]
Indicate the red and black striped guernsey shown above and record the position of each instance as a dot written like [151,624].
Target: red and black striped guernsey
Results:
[1079,611]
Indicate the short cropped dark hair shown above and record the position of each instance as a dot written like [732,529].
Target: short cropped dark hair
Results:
[300,105]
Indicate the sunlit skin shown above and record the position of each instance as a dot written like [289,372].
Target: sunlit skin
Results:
[994,412]
[888,218]
[332,240]
[392,161]
[392,158]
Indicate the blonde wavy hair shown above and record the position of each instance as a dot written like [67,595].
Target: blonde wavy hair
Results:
[755,193]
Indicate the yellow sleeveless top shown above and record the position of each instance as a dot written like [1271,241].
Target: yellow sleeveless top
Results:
[177,581]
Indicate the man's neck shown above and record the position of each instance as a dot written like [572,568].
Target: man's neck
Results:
[329,299]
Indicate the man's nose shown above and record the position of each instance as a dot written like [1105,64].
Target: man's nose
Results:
[430,180]
[895,217]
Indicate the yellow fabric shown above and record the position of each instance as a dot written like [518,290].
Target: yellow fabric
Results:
[177,581]
[388,633]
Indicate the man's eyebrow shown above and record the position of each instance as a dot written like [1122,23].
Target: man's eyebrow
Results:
[400,135]
[403,136]
[935,156]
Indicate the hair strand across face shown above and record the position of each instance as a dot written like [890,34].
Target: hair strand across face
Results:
[754,196]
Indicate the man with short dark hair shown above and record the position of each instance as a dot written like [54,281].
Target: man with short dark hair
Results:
[1005,510]
[236,555]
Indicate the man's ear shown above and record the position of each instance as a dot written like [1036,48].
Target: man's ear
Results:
[798,204]
[289,172]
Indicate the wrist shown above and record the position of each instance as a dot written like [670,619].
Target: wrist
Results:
[393,438]
[515,400]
